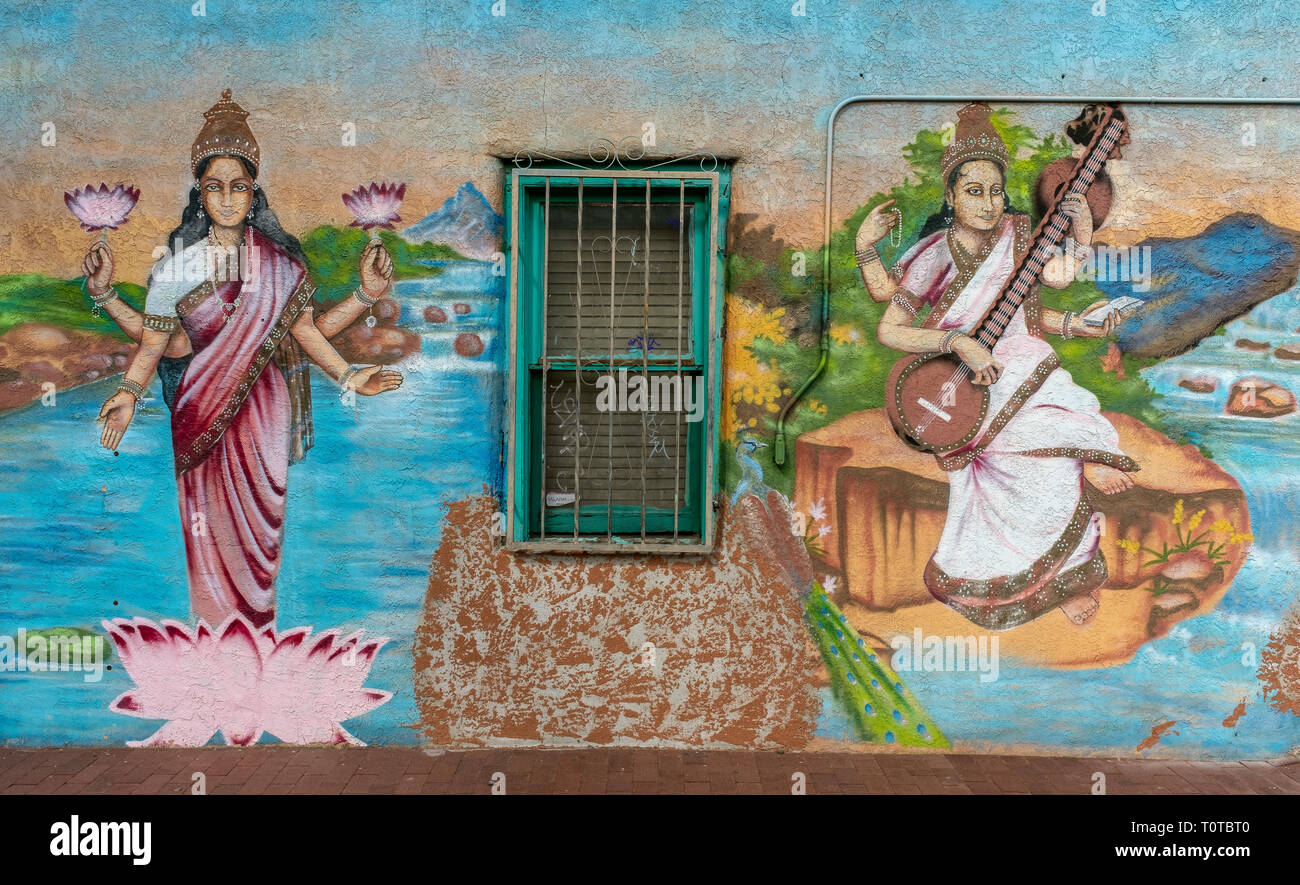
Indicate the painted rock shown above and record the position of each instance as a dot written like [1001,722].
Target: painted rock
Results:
[378,344]
[1199,385]
[1257,398]
[1193,565]
[1287,353]
[435,314]
[887,505]
[468,344]
[1247,344]
[460,308]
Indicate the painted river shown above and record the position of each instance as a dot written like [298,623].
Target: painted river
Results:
[85,536]
[1197,674]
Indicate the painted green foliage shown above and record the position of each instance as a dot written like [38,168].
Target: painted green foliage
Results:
[52,637]
[331,254]
[879,706]
[36,298]
[859,365]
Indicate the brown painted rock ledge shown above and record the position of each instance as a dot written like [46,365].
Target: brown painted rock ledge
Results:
[32,354]
[887,504]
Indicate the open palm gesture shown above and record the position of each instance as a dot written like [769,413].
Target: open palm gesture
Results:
[116,417]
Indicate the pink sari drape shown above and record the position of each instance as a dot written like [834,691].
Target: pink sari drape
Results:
[1020,537]
[231,431]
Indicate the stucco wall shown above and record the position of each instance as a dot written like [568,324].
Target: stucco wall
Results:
[489,647]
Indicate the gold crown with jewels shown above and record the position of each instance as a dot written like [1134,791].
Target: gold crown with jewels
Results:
[975,139]
[225,133]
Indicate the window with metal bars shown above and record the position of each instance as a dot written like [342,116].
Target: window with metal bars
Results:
[615,300]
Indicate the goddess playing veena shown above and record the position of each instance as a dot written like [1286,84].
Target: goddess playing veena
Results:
[1020,537]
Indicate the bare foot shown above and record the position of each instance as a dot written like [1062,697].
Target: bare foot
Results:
[1108,480]
[1081,609]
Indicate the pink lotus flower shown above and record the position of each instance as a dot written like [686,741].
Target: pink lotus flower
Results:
[243,682]
[102,209]
[375,206]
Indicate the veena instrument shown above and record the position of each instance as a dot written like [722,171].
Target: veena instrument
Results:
[930,399]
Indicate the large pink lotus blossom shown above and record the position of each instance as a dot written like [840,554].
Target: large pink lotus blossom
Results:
[376,205]
[102,209]
[243,682]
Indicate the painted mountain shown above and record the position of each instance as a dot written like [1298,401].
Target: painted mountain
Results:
[1201,282]
[465,222]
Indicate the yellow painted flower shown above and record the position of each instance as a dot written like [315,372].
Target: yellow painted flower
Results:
[1238,537]
[1130,546]
[845,333]
[1195,520]
[1178,512]
[1222,525]
[749,381]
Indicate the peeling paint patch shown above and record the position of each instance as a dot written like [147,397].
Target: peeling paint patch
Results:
[1279,666]
[595,650]
[1156,734]
[1238,712]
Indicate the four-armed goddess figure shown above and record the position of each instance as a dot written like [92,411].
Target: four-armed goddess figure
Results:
[236,423]
[1020,537]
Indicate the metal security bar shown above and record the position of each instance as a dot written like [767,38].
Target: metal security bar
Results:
[618,369]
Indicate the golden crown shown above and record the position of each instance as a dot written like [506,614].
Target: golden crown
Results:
[225,133]
[975,139]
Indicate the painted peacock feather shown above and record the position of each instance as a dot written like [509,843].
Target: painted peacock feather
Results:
[875,700]
[880,707]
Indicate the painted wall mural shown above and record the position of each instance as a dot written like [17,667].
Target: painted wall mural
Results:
[1107,521]
[1039,497]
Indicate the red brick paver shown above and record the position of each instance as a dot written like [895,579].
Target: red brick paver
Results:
[403,770]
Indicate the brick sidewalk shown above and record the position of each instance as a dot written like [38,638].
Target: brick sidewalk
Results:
[386,770]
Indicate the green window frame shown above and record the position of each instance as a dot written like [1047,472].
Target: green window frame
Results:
[677,515]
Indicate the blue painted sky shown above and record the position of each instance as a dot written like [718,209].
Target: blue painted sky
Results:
[436,89]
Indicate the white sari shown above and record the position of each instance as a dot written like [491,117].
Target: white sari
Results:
[1020,537]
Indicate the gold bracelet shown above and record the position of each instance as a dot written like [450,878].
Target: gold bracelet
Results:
[866,256]
[131,387]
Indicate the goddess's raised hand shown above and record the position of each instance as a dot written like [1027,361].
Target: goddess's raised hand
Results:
[98,268]
[376,269]
[877,224]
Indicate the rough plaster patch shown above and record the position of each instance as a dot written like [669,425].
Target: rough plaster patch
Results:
[551,648]
[1279,666]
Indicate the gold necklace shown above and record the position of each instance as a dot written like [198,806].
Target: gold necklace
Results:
[227,307]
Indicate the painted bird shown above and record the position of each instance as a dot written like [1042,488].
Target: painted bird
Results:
[878,707]
[767,519]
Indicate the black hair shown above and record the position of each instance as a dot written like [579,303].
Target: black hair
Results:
[195,223]
[944,217]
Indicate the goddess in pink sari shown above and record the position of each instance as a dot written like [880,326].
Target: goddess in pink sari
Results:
[1020,537]
[242,408]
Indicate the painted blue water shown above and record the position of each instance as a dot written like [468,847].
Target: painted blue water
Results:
[85,536]
[1196,674]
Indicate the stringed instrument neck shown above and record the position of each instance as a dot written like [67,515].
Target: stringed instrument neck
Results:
[1049,234]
